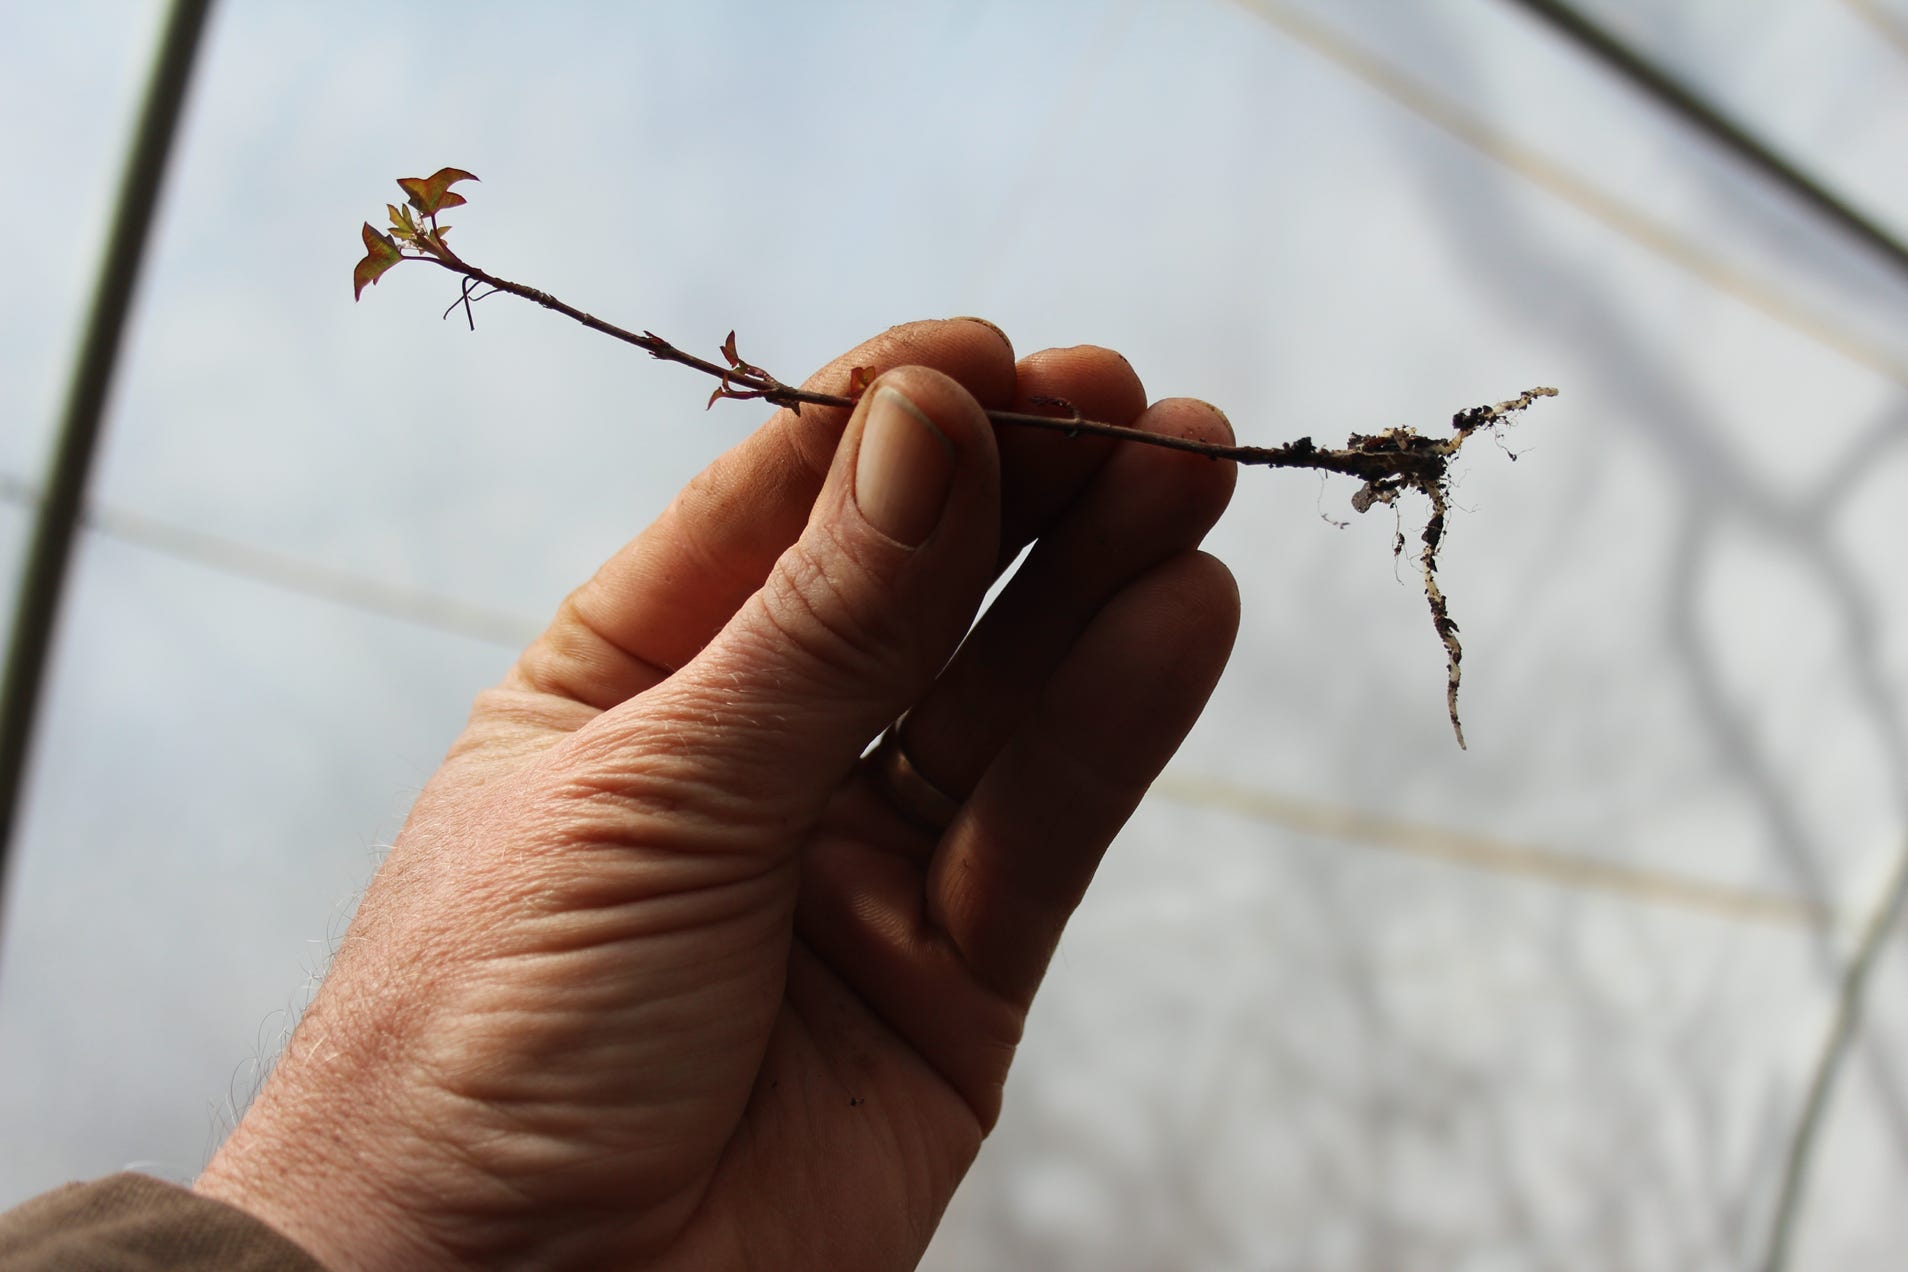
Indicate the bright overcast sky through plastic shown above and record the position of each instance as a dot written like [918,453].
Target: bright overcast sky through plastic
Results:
[1344,996]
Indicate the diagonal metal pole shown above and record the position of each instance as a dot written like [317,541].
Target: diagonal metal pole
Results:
[1719,127]
[51,546]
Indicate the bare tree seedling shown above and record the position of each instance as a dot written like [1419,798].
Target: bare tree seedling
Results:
[1387,464]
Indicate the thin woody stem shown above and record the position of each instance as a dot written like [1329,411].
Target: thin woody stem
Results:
[1389,463]
[1422,460]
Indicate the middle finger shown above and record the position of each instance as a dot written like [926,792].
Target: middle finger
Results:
[1144,505]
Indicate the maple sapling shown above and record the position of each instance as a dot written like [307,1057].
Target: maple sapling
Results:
[1388,463]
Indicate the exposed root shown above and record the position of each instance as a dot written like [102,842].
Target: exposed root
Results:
[1424,464]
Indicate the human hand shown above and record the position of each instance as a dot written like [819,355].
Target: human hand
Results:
[661,971]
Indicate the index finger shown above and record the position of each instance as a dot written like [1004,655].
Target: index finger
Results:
[659,600]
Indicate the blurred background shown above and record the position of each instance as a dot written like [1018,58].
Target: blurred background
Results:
[1614,989]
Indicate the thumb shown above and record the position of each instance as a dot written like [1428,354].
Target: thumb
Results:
[851,625]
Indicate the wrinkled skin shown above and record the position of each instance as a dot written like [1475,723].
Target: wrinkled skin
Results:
[659,972]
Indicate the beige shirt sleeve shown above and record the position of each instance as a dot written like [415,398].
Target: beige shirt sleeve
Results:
[135,1223]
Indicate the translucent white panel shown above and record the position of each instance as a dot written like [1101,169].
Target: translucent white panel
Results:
[1345,995]
[15,523]
[1325,1056]
[71,76]
[219,767]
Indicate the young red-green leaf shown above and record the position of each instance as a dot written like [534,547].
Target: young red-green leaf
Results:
[402,225]
[430,195]
[380,254]
[859,378]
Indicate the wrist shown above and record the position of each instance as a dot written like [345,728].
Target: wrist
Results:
[321,1157]
[316,1203]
